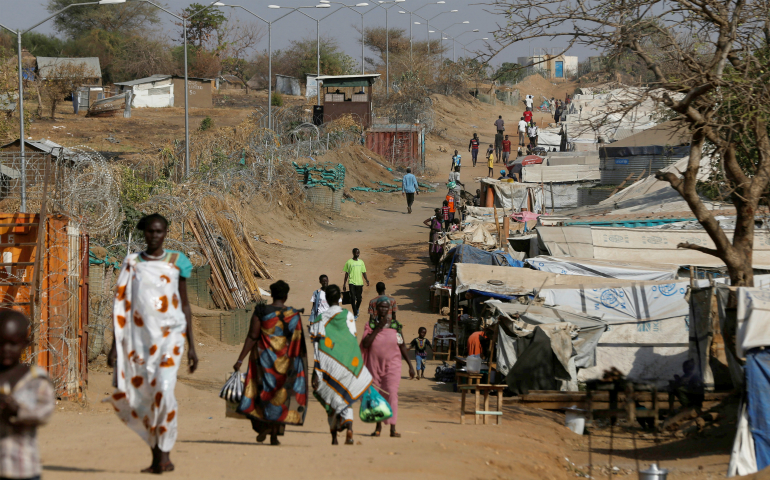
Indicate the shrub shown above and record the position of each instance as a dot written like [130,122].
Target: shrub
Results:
[206,124]
[276,100]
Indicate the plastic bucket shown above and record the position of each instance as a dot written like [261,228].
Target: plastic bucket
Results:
[575,420]
[473,364]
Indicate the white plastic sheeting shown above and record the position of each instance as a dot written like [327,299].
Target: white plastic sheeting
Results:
[648,332]
[603,268]
[753,320]
[515,195]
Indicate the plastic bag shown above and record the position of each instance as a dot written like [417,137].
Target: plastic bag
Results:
[233,389]
[374,408]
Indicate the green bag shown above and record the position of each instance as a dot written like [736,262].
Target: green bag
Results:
[374,408]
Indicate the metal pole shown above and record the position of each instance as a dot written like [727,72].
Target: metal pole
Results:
[454,57]
[362,43]
[318,58]
[21,127]
[387,55]
[410,40]
[186,106]
[427,32]
[270,76]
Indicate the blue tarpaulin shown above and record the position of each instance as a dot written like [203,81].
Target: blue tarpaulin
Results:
[758,389]
[468,254]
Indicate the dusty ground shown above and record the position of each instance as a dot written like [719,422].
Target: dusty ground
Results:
[90,442]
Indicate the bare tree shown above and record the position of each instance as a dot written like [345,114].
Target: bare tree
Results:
[61,80]
[708,64]
[237,43]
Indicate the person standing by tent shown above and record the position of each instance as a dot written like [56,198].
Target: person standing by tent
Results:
[409,188]
[383,348]
[557,114]
[152,319]
[473,147]
[500,124]
[355,274]
[339,362]
[275,394]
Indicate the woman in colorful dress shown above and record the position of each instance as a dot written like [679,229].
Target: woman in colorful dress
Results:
[151,318]
[383,348]
[275,394]
[434,223]
[339,376]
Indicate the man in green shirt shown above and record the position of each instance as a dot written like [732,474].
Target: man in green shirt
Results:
[355,274]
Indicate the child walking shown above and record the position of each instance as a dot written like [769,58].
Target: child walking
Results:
[26,400]
[419,345]
[491,160]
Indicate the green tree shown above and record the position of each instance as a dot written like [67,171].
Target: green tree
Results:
[202,23]
[508,73]
[42,45]
[119,18]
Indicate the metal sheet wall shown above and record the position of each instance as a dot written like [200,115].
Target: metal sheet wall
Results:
[616,169]
[400,148]
[592,196]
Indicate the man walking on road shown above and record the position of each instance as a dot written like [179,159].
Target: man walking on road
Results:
[500,124]
[409,188]
[532,133]
[506,150]
[498,147]
[522,132]
[473,147]
[355,274]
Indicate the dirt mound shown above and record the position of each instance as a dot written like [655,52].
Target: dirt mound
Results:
[537,86]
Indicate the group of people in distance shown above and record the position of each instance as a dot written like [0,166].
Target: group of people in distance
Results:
[152,320]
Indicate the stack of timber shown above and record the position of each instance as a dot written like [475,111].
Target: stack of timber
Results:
[234,262]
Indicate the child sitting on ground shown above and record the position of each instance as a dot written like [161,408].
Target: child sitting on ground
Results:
[419,345]
[455,225]
[26,400]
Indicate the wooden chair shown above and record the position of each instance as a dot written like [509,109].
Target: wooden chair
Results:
[482,415]
[447,354]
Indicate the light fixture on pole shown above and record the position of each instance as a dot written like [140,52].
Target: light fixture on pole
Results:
[380,4]
[465,47]
[19,33]
[351,7]
[444,31]
[475,30]
[427,24]
[317,40]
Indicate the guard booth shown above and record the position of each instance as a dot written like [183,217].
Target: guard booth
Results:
[345,94]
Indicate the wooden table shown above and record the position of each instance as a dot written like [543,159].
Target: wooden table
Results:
[482,415]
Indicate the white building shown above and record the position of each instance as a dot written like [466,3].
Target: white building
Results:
[154,92]
[551,66]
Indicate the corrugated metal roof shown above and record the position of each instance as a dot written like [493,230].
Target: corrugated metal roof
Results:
[141,81]
[45,64]
[50,147]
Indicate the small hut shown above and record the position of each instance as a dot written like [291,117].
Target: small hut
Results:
[343,95]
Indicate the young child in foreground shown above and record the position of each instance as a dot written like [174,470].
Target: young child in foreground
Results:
[419,345]
[26,401]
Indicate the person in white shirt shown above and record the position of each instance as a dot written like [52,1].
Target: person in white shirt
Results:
[522,132]
[529,101]
[319,298]
[532,134]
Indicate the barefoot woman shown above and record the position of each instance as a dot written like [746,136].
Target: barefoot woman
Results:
[151,318]
[383,350]
[276,383]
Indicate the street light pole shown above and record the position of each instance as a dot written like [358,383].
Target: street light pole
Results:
[387,39]
[362,23]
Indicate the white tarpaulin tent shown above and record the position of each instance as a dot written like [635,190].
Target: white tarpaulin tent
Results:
[648,331]
[514,281]
[753,320]
[640,244]
[603,268]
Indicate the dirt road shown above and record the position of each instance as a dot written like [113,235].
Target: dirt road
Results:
[90,442]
